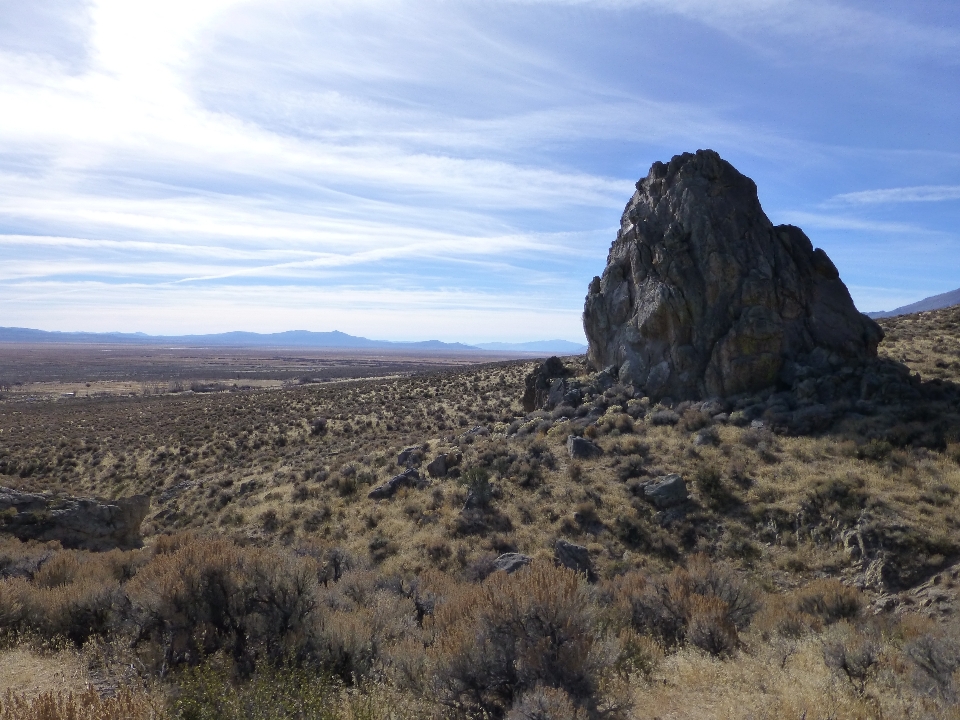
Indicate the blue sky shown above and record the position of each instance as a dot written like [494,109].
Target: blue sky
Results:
[451,170]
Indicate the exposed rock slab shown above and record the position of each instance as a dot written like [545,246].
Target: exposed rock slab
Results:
[76,522]
[667,491]
[703,296]
[408,478]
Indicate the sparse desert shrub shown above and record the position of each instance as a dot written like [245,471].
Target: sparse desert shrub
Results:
[705,603]
[479,489]
[709,481]
[953,452]
[269,520]
[515,633]
[936,659]
[621,422]
[709,625]
[211,596]
[77,610]
[854,657]
[347,485]
[631,467]
[874,450]
[829,600]
[546,703]
[693,420]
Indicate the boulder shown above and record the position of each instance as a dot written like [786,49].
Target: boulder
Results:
[582,449]
[76,522]
[511,562]
[408,478]
[437,468]
[574,557]
[703,296]
[538,384]
[411,456]
[666,491]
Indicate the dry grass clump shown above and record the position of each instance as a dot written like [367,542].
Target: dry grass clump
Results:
[85,705]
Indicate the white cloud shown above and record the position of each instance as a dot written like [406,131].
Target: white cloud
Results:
[918,193]
[838,222]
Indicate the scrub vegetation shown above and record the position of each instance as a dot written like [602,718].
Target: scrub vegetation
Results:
[807,577]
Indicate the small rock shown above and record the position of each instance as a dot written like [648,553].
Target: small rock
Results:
[582,449]
[574,557]
[511,562]
[666,491]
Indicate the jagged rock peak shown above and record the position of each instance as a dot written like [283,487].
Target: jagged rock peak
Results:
[703,296]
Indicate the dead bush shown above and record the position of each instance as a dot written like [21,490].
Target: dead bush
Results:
[936,660]
[854,657]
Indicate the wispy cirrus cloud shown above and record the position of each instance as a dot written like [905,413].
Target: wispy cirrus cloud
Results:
[164,162]
[918,193]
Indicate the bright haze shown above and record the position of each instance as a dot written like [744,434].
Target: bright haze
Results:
[450,170]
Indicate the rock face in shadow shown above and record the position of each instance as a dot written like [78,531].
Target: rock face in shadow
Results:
[82,523]
[703,296]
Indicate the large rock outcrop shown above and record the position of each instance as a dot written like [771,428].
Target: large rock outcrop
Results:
[703,296]
[84,523]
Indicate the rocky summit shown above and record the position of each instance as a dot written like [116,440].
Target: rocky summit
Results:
[703,296]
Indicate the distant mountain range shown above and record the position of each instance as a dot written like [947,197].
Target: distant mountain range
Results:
[935,302]
[288,339]
[564,347]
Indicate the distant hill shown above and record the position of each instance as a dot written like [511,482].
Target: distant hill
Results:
[562,347]
[290,338]
[935,302]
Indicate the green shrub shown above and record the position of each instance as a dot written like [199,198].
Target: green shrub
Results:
[210,692]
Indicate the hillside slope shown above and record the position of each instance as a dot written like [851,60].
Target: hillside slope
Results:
[805,575]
